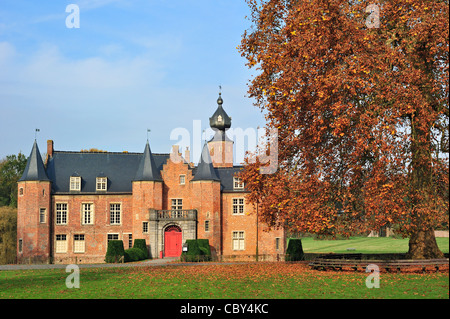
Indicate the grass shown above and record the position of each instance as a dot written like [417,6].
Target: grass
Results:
[364,245]
[230,281]
[218,281]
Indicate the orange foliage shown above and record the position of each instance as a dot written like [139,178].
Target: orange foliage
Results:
[360,113]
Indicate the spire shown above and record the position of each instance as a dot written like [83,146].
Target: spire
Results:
[220,119]
[205,168]
[34,171]
[147,170]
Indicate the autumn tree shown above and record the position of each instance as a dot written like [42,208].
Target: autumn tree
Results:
[358,91]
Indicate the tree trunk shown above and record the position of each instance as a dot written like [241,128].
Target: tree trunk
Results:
[422,245]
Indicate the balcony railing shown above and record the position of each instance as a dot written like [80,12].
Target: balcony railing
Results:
[173,214]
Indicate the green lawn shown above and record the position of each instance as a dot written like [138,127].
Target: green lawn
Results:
[364,245]
[219,281]
[252,280]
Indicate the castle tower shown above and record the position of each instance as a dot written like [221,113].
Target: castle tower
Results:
[34,213]
[207,201]
[220,146]
[147,194]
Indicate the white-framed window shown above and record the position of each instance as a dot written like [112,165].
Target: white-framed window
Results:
[277,243]
[206,225]
[61,213]
[177,204]
[87,214]
[78,243]
[130,240]
[145,227]
[182,179]
[61,243]
[21,191]
[238,206]
[113,237]
[101,183]
[237,183]
[75,183]
[115,211]
[238,240]
[42,215]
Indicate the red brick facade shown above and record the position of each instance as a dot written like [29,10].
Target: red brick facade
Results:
[58,225]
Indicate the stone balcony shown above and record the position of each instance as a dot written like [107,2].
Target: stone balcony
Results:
[173,214]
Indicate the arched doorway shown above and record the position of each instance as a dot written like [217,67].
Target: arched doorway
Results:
[172,241]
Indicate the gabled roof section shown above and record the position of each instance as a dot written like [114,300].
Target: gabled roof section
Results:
[205,169]
[34,171]
[147,170]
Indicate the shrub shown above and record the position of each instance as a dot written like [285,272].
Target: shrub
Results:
[115,251]
[294,251]
[198,250]
[134,254]
[141,244]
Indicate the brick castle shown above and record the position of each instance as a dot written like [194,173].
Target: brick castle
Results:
[73,203]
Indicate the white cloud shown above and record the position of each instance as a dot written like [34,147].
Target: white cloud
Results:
[49,68]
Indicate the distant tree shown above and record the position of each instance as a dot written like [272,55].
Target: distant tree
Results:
[11,169]
[8,234]
[358,91]
[93,150]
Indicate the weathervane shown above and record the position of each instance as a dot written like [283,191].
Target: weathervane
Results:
[35,133]
[148,131]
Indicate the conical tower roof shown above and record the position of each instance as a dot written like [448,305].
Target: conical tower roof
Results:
[147,170]
[34,171]
[205,168]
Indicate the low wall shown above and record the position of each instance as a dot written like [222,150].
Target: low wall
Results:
[441,233]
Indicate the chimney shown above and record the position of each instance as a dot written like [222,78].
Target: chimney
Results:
[187,155]
[175,155]
[49,148]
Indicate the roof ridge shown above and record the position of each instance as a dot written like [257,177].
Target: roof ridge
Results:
[124,153]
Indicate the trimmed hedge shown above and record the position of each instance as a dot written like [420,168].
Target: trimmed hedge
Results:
[115,251]
[294,251]
[134,254]
[198,250]
[141,244]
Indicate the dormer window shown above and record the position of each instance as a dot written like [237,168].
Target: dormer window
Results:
[75,183]
[237,183]
[219,119]
[101,183]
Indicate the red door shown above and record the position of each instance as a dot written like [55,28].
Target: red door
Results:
[172,241]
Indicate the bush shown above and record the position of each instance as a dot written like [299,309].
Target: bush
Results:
[115,251]
[198,250]
[134,254]
[294,251]
[141,244]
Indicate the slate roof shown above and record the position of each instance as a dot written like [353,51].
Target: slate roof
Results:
[220,119]
[120,169]
[205,169]
[147,170]
[34,171]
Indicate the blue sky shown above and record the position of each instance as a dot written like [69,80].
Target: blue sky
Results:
[132,65]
